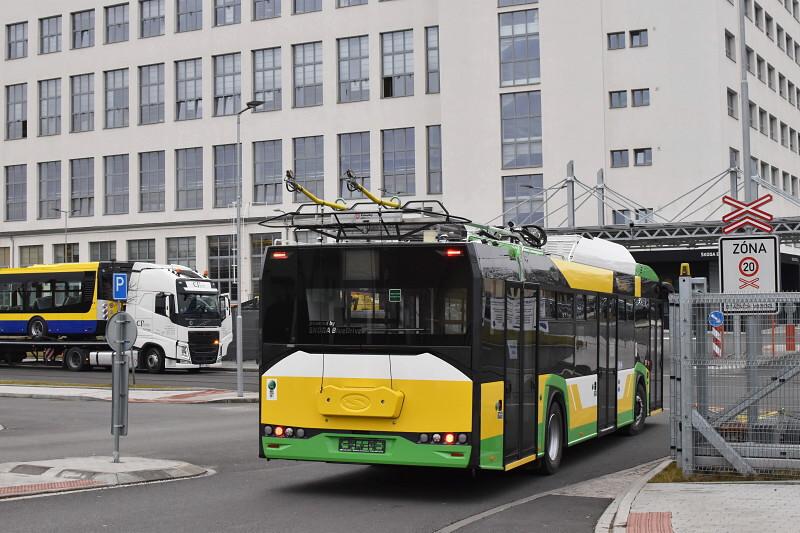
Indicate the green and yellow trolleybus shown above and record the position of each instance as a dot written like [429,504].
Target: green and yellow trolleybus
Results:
[451,344]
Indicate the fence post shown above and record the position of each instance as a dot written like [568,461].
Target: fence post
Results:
[685,340]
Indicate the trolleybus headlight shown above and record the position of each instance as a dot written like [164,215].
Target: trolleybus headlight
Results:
[437,438]
[462,438]
[423,438]
[449,438]
[289,432]
[279,431]
[267,430]
[300,433]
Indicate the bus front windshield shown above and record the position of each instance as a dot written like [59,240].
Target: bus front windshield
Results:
[198,305]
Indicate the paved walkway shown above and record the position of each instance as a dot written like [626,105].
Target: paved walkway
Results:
[76,473]
[135,395]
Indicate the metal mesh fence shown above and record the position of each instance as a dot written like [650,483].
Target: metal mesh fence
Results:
[736,384]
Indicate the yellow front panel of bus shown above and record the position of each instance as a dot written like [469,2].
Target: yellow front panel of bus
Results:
[427,405]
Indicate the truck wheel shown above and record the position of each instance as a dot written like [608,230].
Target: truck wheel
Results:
[154,360]
[553,440]
[37,328]
[74,359]
[639,414]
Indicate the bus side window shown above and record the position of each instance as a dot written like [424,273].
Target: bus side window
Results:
[161,304]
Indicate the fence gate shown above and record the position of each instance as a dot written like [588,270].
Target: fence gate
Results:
[735,382]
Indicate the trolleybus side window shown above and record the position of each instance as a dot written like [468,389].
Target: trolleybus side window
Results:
[586,337]
[557,335]
[626,345]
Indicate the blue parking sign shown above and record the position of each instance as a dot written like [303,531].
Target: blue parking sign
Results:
[120,285]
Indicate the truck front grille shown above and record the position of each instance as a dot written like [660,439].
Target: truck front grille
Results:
[203,347]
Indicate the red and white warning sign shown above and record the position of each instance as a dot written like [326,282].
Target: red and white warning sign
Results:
[749,264]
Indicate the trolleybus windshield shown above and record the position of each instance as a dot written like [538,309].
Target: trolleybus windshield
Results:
[391,295]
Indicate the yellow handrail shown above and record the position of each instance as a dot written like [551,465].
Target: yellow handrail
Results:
[353,185]
[292,186]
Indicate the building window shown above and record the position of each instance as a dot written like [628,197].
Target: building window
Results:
[732,100]
[645,215]
[258,245]
[619,158]
[267,79]
[5,257]
[82,89]
[182,251]
[353,69]
[641,97]
[227,12]
[116,98]
[189,174]
[116,180]
[266,9]
[188,89]
[17,39]
[222,263]
[771,77]
[523,200]
[522,129]
[31,255]
[267,172]
[143,250]
[433,80]
[152,18]
[50,107]
[66,253]
[354,155]
[151,182]
[17,111]
[638,38]
[618,99]
[224,175]
[81,176]
[616,40]
[621,216]
[753,115]
[773,128]
[761,69]
[50,35]
[348,3]
[307,74]
[306,6]
[730,46]
[506,3]
[309,167]
[151,94]
[643,157]
[762,121]
[398,161]
[190,15]
[16,192]
[117,23]
[50,190]
[397,50]
[227,84]
[519,47]
[434,159]
[83,29]
[103,251]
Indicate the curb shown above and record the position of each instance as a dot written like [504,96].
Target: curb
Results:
[58,478]
[233,369]
[615,517]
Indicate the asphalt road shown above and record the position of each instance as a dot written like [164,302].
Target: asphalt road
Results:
[219,379]
[249,494]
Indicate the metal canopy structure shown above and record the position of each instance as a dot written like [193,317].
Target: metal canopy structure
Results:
[688,234]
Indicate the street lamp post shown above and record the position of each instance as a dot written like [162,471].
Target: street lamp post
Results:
[238,277]
[67,213]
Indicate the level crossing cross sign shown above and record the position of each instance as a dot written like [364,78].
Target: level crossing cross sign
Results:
[747,214]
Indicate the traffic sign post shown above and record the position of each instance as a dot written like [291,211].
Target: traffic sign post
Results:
[121,335]
[749,264]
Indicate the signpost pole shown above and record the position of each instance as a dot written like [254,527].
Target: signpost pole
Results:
[121,335]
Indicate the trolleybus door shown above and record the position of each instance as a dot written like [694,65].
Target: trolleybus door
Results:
[519,432]
[607,365]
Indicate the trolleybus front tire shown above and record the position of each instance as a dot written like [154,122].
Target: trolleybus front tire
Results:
[639,411]
[553,439]
[37,328]
[154,360]
[74,359]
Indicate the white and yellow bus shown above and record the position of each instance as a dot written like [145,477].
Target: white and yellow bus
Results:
[478,353]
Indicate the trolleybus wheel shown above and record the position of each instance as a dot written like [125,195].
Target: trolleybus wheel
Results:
[553,439]
[154,360]
[639,414]
[74,359]
[37,327]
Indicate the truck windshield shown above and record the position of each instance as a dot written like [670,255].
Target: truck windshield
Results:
[415,295]
[198,305]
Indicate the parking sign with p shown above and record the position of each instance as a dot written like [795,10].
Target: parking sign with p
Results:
[119,282]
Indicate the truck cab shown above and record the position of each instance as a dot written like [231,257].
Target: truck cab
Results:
[180,316]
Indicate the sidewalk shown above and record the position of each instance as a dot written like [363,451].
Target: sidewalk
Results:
[703,507]
[230,366]
[135,395]
[77,473]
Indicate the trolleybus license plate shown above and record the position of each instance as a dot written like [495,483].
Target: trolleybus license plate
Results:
[362,445]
